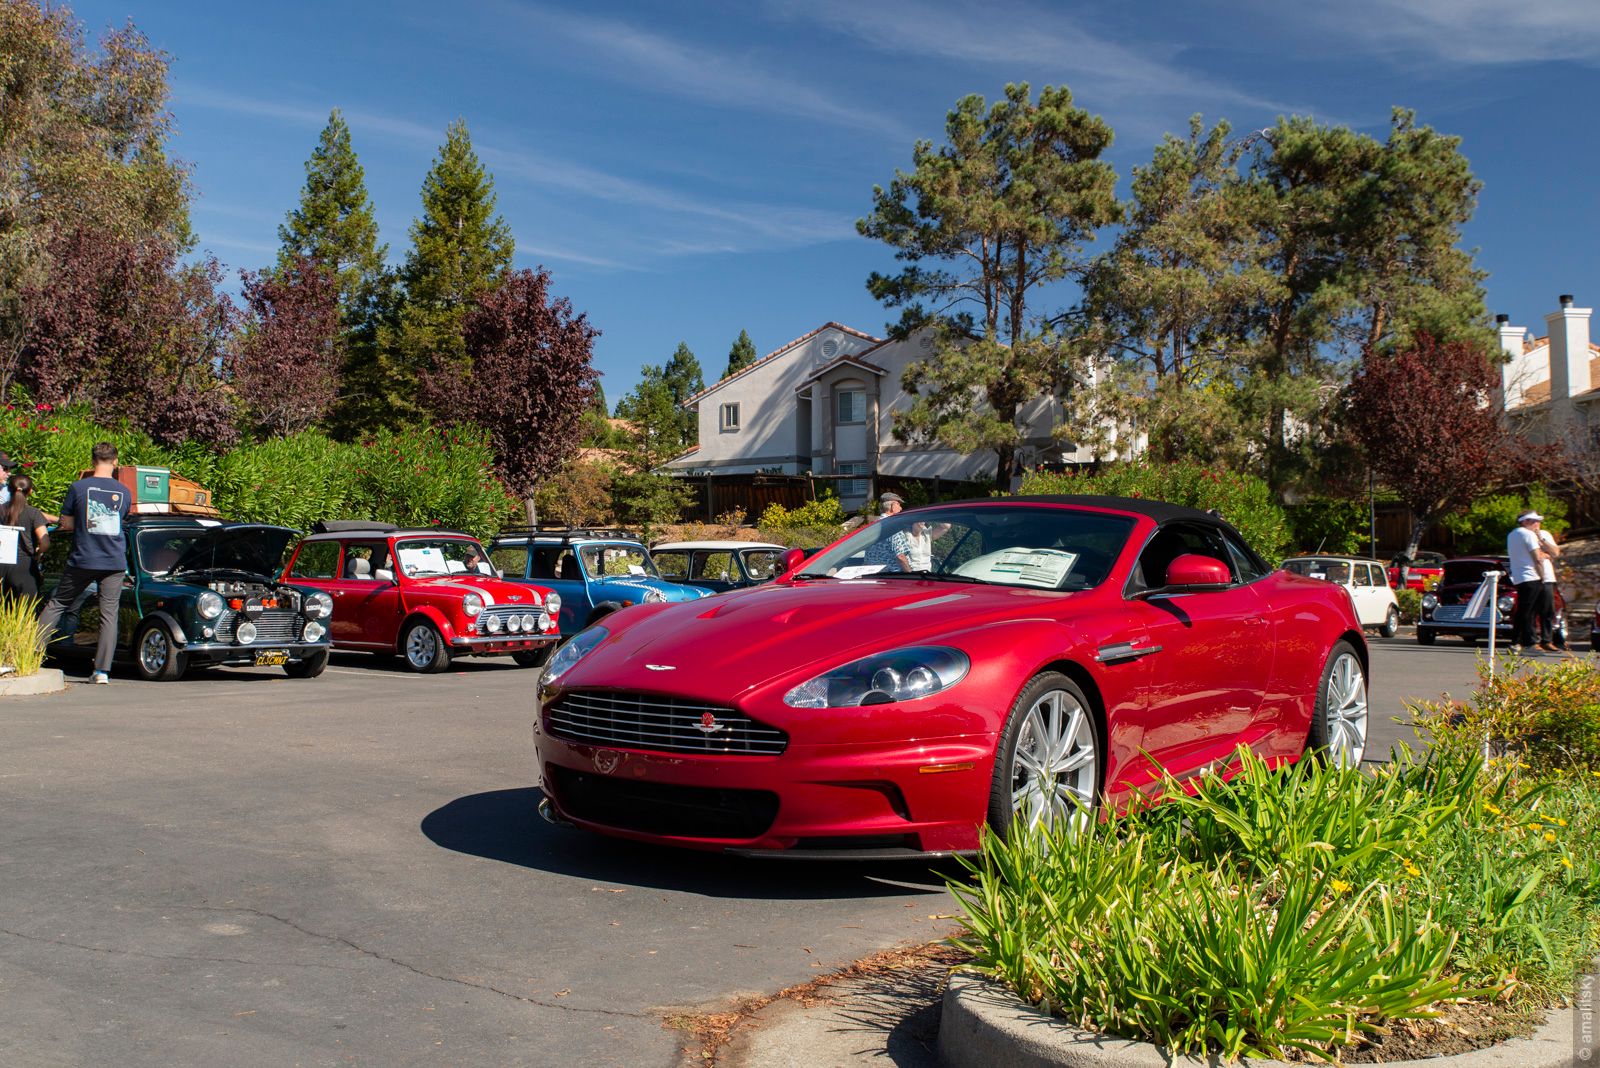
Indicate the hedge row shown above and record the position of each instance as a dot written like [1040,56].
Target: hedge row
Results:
[416,477]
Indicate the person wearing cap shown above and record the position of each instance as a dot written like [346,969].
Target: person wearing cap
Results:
[1527,576]
[892,551]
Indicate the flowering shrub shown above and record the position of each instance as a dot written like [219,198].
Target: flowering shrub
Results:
[1243,500]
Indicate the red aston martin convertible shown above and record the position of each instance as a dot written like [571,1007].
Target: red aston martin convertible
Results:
[1015,661]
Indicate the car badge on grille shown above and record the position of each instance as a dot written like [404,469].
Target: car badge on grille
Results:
[516,597]
[661,667]
[708,724]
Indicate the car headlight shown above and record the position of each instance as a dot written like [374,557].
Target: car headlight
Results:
[313,632]
[1429,601]
[209,605]
[317,605]
[581,645]
[552,603]
[1507,603]
[653,596]
[514,624]
[493,625]
[530,623]
[898,675]
[471,605]
[245,632]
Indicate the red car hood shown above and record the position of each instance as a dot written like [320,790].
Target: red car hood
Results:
[491,589]
[723,646]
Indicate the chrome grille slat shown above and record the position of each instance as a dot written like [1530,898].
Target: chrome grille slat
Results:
[274,625]
[664,724]
[501,611]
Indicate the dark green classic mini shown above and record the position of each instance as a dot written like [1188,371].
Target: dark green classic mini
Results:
[203,593]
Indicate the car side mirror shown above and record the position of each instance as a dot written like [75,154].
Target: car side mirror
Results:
[793,558]
[383,574]
[1192,571]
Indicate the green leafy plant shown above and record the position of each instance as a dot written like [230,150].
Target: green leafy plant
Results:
[19,635]
[1243,500]
[1410,602]
[1329,525]
[1484,525]
[805,526]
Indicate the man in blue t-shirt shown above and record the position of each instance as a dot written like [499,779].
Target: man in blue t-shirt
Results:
[92,513]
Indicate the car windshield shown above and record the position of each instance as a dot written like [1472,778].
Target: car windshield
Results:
[612,561]
[1328,570]
[421,557]
[763,564]
[1040,547]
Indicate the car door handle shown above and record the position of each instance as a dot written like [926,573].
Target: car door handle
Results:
[1117,652]
[1253,621]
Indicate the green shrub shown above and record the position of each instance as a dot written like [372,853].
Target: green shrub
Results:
[19,635]
[1545,714]
[1410,605]
[1329,525]
[53,447]
[1243,500]
[1484,526]
[807,526]
[1295,909]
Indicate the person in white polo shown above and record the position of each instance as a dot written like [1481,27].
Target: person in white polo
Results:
[1527,575]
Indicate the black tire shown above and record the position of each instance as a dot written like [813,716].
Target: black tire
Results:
[533,658]
[1391,623]
[1425,637]
[156,657]
[307,667]
[1333,733]
[423,649]
[1022,782]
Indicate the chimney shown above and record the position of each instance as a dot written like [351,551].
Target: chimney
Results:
[1514,373]
[1569,350]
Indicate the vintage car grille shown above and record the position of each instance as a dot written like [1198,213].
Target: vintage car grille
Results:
[664,724]
[662,808]
[1457,613]
[501,611]
[273,625]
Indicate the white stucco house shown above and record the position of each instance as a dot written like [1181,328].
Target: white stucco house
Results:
[824,403]
[1551,384]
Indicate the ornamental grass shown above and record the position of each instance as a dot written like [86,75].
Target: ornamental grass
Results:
[1303,911]
[19,635]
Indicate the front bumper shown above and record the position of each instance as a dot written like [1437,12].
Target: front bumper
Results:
[226,653]
[495,644]
[869,800]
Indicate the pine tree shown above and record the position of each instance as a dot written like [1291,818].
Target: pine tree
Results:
[683,380]
[334,224]
[742,355]
[460,251]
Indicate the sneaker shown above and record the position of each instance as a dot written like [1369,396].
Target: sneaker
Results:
[1548,647]
[100,678]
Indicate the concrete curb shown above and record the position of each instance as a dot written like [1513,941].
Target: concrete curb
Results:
[984,1024]
[45,680]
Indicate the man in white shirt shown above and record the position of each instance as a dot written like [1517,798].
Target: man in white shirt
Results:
[1526,559]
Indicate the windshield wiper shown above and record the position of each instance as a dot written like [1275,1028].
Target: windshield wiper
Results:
[937,576]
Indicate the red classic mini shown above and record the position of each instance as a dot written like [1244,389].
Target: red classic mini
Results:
[1015,662]
[428,595]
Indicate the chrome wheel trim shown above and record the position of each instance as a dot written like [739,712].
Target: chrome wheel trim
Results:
[1391,621]
[1346,704]
[154,651]
[1054,766]
[421,647]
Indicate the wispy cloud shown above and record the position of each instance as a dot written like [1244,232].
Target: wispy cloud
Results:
[1021,37]
[1467,32]
[239,245]
[631,53]
[538,253]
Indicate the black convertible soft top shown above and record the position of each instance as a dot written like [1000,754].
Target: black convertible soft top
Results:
[1160,511]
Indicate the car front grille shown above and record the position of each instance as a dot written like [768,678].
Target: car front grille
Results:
[663,808]
[502,611]
[273,625]
[662,724]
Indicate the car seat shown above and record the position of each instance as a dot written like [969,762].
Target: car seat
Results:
[570,569]
[357,568]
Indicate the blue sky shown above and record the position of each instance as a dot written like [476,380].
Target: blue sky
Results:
[690,170]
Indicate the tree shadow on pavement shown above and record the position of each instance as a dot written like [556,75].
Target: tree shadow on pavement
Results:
[504,825]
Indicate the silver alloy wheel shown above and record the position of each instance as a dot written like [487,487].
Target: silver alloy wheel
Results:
[1055,768]
[155,650]
[422,648]
[1346,704]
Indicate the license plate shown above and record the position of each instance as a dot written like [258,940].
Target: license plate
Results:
[272,658]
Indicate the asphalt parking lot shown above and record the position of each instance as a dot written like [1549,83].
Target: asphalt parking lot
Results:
[247,869]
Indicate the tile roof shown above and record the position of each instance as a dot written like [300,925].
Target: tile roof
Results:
[1539,392]
[775,353]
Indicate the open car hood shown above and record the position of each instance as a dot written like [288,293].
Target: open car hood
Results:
[252,547]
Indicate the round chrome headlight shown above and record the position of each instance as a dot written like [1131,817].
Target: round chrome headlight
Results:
[471,605]
[552,603]
[1429,601]
[209,605]
[313,632]
[317,605]
[1507,603]
[245,633]
[530,623]
[514,624]
[492,624]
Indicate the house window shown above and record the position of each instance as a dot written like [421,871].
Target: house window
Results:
[852,487]
[730,416]
[852,406]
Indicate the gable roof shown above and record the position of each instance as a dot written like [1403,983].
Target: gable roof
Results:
[775,353]
[1539,392]
[845,358]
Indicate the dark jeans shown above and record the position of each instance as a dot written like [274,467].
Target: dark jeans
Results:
[73,582]
[1547,612]
[1529,594]
[19,579]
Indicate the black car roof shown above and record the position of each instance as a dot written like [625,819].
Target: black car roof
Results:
[1160,511]
[167,519]
[386,532]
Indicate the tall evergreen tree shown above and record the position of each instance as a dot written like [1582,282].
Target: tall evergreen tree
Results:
[460,250]
[683,380]
[742,355]
[334,224]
